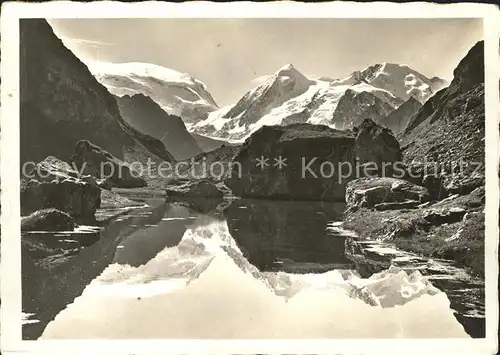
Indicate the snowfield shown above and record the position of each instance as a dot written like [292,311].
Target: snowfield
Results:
[178,94]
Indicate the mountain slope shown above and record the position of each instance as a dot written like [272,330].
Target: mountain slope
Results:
[142,113]
[62,103]
[176,93]
[400,80]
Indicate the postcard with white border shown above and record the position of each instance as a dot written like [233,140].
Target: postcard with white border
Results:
[249,178]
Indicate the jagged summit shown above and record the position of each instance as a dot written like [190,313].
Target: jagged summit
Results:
[289,71]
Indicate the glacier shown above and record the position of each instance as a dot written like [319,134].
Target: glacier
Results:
[288,97]
[205,288]
[177,93]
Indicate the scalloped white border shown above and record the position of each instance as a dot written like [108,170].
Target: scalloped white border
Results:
[10,217]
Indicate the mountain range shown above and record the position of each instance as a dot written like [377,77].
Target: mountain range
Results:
[288,97]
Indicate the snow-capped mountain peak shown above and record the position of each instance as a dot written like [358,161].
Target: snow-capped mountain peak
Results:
[288,96]
[177,93]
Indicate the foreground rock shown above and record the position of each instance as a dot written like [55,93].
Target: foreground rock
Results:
[47,220]
[145,115]
[92,159]
[384,193]
[76,198]
[449,130]
[318,161]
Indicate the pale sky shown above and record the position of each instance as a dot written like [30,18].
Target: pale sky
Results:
[228,55]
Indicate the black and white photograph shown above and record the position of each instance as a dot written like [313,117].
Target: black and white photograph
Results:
[253,177]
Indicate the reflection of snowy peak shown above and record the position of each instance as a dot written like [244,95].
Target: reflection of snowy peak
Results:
[176,93]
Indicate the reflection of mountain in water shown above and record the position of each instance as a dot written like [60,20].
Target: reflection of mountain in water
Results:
[169,272]
[289,236]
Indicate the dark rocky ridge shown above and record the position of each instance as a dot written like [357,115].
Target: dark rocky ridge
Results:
[142,113]
[93,160]
[62,103]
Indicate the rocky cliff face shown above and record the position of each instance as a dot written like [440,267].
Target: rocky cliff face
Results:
[142,113]
[62,103]
[450,127]
[319,161]
[398,119]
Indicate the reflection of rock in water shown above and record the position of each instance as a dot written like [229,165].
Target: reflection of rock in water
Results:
[47,291]
[287,235]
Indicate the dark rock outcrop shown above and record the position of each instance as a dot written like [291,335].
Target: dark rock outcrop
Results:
[48,220]
[370,192]
[76,198]
[306,148]
[95,161]
[265,232]
[62,103]
[398,119]
[194,188]
[376,145]
[319,160]
[142,113]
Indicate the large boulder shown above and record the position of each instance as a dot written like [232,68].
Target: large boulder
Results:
[195,188]
[78,199]
[318,161]
[47,220]
[265,231]
[379,192]
[61,102]
[92,159]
